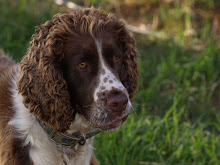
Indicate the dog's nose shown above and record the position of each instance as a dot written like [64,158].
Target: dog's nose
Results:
[117,102]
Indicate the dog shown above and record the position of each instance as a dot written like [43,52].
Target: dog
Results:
[78,78]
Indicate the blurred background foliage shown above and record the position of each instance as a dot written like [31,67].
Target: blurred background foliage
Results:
[176,117]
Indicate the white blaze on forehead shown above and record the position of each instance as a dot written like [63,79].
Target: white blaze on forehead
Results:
[107,79]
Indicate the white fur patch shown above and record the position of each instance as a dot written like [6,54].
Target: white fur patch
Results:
[42,150]
[79,124]
[107,79]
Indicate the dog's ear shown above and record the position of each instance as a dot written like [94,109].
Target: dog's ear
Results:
[41,81]
[130,72]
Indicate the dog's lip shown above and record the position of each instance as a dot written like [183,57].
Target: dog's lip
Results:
[112,125]
[116,123]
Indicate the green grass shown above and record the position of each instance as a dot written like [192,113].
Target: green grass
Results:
[18,20]
[176,118]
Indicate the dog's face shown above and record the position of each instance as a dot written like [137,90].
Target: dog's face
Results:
[80,62]
[91,67]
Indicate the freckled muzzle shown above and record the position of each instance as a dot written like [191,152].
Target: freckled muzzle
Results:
[111,109]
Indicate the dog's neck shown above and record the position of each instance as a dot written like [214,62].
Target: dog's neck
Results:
[41,149]
[66,139]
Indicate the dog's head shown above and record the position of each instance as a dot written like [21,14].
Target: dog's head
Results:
[80,62]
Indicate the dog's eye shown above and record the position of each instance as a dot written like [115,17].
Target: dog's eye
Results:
[116,59]
[82,65]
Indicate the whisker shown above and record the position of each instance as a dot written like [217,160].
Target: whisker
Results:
[135,112]
[139,105]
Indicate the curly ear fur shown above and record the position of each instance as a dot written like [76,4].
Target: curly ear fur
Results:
[130,71]
[41,81]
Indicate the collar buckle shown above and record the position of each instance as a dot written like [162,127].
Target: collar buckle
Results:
[83,141]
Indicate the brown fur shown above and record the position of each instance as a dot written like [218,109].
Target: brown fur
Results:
[94,161]
[41,81]
[5,63]
[11,150]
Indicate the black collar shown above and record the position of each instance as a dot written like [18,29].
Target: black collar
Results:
[67,140]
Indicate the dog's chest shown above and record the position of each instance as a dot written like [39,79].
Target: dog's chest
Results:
[42,151]
[79,155]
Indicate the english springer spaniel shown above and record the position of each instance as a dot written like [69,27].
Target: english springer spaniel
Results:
[78,78]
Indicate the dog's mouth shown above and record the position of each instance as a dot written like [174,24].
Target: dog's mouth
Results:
[115,124]
[100,117]
[107,124]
